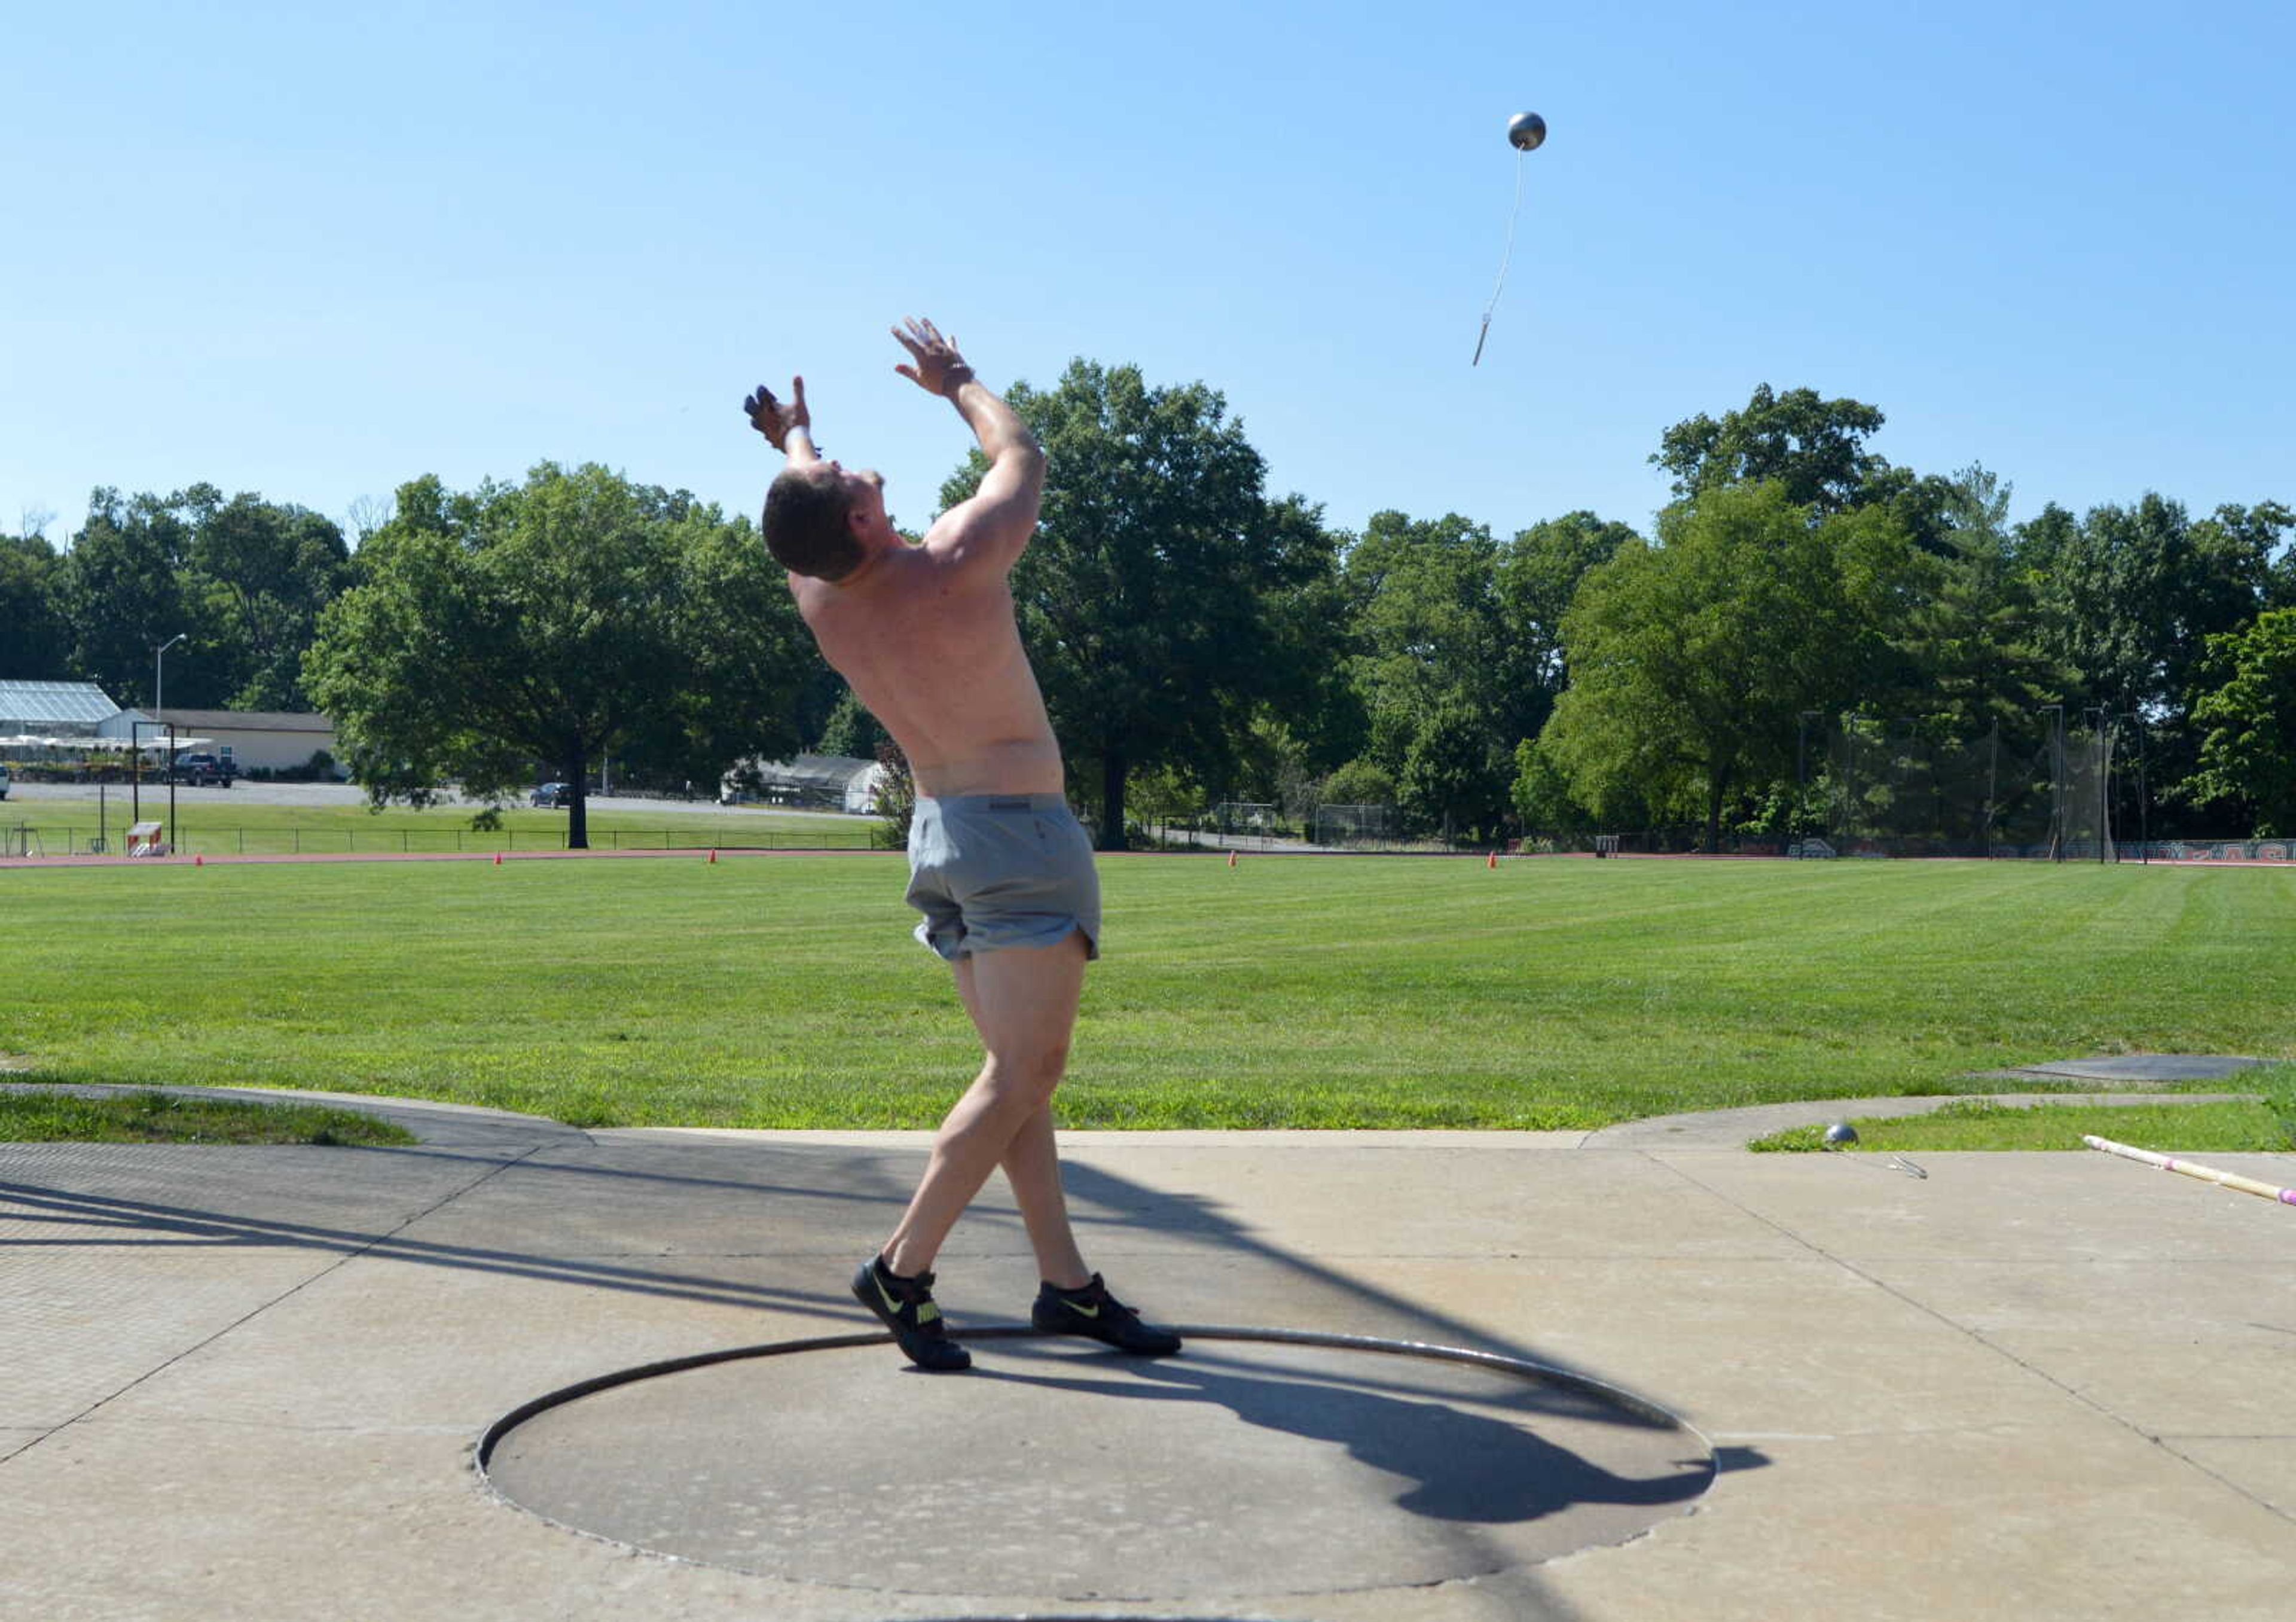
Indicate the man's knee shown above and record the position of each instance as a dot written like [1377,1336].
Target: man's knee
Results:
[1026,1078]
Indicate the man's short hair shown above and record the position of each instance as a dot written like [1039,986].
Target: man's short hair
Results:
[804,525]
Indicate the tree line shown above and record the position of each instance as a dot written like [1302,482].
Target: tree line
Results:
[1200,639]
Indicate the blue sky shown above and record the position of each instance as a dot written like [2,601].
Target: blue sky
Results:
[314,252]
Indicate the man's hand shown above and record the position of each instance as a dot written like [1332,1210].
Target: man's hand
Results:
[939,369]
[777,420]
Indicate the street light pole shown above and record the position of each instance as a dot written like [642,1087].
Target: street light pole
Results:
[2056,714]
[159,672]
[159,700]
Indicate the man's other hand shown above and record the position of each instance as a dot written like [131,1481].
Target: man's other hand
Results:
[775,418]
[939,369]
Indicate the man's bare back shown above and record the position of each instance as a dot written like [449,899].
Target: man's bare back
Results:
[931,648]
[925,635]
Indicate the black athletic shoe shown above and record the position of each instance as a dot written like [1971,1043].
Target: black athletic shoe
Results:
[907,1306]
[1092,1310]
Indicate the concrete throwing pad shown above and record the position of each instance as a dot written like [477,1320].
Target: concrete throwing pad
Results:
[2147,1068]
[1253,1464]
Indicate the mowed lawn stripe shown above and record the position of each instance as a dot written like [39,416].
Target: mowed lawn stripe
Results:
[1298,992]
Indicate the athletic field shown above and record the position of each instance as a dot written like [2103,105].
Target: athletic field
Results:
[781,991]
[238,822]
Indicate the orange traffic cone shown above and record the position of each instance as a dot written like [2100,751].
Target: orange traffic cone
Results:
[497,858]
[1231,859]
[1495,862]
[199,861]
[713,859]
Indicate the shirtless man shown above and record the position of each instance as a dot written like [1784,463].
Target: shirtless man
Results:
[998,866]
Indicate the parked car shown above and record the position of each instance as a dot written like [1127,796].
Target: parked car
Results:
[558,794]
[3,782]
[197,769]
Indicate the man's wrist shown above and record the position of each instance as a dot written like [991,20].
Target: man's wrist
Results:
[954,380]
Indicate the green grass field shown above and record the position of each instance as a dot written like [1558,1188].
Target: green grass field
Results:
[2264,1125]
[1301,992]
[47,1115]
[213,822]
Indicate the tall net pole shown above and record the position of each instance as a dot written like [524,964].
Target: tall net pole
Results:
[2058,822]
[2143,832]
[1992,784]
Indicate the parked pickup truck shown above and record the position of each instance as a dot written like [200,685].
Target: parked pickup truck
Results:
[198,770]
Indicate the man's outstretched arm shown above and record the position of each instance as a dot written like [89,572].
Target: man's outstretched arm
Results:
[787,423]
[995,521]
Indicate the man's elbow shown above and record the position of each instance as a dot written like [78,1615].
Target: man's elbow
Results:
[1023,460]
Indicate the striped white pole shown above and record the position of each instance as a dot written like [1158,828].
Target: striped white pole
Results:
[2206,1174]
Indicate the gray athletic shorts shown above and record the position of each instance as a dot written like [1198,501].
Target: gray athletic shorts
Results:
[990,871]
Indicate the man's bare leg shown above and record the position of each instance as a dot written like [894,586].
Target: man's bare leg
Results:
[1032,1166]
[1023,1002]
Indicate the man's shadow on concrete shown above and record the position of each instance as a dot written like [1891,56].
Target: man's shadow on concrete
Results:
[1461,1465]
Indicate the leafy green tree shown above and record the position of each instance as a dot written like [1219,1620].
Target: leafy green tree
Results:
[243,580]
[267,571]
[1814,447]
[1543,800]
[2280,580]
[1452,778]
[1308,720]
[1539,575]
[1425,622]
[1458,652]
[2136,591]
[1969,629]
[554,622]
[1360,782]
[2238,576]
[121,592]
[851,731]
[34,636]
[2111,590]
[897,796]
[1970,675]
[2131,596]
[1153,597]
[741,656]
[1164,794]
[1692,661]
[2248,722]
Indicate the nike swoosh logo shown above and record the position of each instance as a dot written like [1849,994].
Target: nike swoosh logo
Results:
[926,1312]
[1088,1311]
